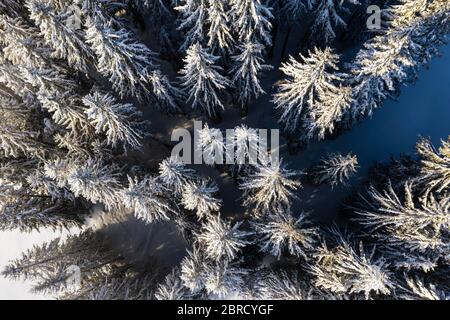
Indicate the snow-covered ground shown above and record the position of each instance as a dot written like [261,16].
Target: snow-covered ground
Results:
[12,244]
[422,109]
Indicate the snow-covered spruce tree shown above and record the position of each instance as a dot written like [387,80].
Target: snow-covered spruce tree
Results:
[19,136]
[105,11]
[14,142]
[10,77]
[58,169]
[88,178]
[61,4]
[220,240]
[219,33]
[413,234]
[56,92]
[174,174]
[193,270]
[30,201]
[246,72]
[116,121]
[416,289]
[327,114]
[21,43]
[224,279]
[218,279]
[193,20]
[342,268]
[146,198]
[123,59]
[328,18]
[415,31]
[186,227]
[293,9]
[280,232]
[167,95]
[250,21]
[104,274]
[269,186]
[435,166]
[67,42]
[202,80]
[211,143]
[48,265]
[120,285]
[245,147]
[281,285]
[376,71]
[245,139]
[172,287]
[199,197]
[308,82]
[48,80]
[78,146]
[335,169]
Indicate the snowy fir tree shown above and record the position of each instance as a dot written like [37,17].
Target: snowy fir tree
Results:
[199,197]
[247,67]
[193,270]
[419,227]
[146,198]
[124,60]
[202,79]
[193,19]
[104,274]
[327,115]
[335,169]
[281,285]
[310,83]
[211,143]
[172,288]
[94,181]
[435,165]
[245,146]
[224,279]
[175,175]
[67,42]
[348,268]
[219,32]
[250,20]
[417,290]
[113,119]
[328,17]
[91,93]
[47,264]
[295,8]
[21,42]
[282,232]
[167,95]
[388,60]
[221,240]
[269,186]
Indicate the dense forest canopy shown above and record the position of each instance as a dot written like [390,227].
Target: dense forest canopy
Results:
[91,89]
